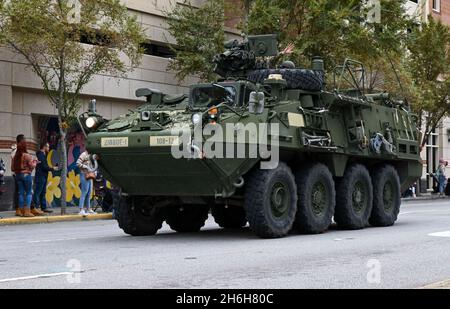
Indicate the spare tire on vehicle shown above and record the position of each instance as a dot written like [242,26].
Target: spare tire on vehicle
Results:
[304,79]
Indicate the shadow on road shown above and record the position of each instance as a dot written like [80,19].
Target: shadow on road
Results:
[225,235]
[207,234]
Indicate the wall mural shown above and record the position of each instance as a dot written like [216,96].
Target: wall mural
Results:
[48,130]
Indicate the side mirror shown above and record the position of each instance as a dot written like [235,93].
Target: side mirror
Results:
[143,92]
[153,96]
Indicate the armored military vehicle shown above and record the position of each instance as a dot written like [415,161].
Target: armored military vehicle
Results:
[329,149]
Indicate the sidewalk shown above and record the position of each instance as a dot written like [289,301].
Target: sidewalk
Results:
[438,285]
[9,218]
[425,197]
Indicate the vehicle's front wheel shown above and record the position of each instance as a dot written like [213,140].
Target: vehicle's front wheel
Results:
[137,216]
[271,201]
[229,216]
[354,198]
[187,218]
[386,196]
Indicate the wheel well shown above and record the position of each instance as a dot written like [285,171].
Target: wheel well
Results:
[408,171]
[336,163]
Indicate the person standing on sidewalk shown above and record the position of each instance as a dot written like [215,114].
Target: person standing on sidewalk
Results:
[19,138]
[23,165]
[442,178]
[88,166]
[40,178]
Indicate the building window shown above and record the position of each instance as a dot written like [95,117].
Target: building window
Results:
[437,5]
[150,48]
[94,37]
[158,50]
[432,154]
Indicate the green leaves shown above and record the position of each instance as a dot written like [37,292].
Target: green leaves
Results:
[264,18]
[429,56]
[200,35]
[429,60]
[333,30]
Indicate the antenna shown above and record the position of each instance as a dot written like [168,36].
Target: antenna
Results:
[398,79]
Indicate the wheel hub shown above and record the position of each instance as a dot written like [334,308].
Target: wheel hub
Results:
[319,198]
[358,197]
[388,195]
[279,199]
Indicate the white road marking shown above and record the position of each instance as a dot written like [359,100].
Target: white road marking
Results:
[440,234]
[341,239]
[36,277]
[8,242]
[418,212]
[63,239]
[49,240]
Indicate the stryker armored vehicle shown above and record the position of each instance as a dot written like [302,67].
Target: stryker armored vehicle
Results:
[294,153]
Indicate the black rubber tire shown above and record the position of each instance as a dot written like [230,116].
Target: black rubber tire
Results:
[230,217]
[136,218]
[303,79]
[383,212]
[259,205]
[187,218]
[310,219]
[346,216]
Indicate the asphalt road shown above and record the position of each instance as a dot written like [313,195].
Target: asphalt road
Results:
[99,255]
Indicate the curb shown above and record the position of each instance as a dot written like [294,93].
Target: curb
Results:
[52,219]
[438,285]
[424,198]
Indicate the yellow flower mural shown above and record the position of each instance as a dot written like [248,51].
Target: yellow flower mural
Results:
[49,158]
[92,190]
[53,190]
[72,186]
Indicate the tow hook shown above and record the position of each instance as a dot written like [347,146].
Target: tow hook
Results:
[239,183]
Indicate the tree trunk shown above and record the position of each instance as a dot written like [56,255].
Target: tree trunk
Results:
[247,5]
[63,162]
[62,132]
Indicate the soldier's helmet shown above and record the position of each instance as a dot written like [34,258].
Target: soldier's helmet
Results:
[287,65]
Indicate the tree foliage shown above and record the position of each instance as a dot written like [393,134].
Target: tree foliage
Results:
[49,33]
[334,30]
[428,61]
[200,34]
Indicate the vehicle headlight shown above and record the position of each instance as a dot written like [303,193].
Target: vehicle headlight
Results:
[91,122]
[197,118]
